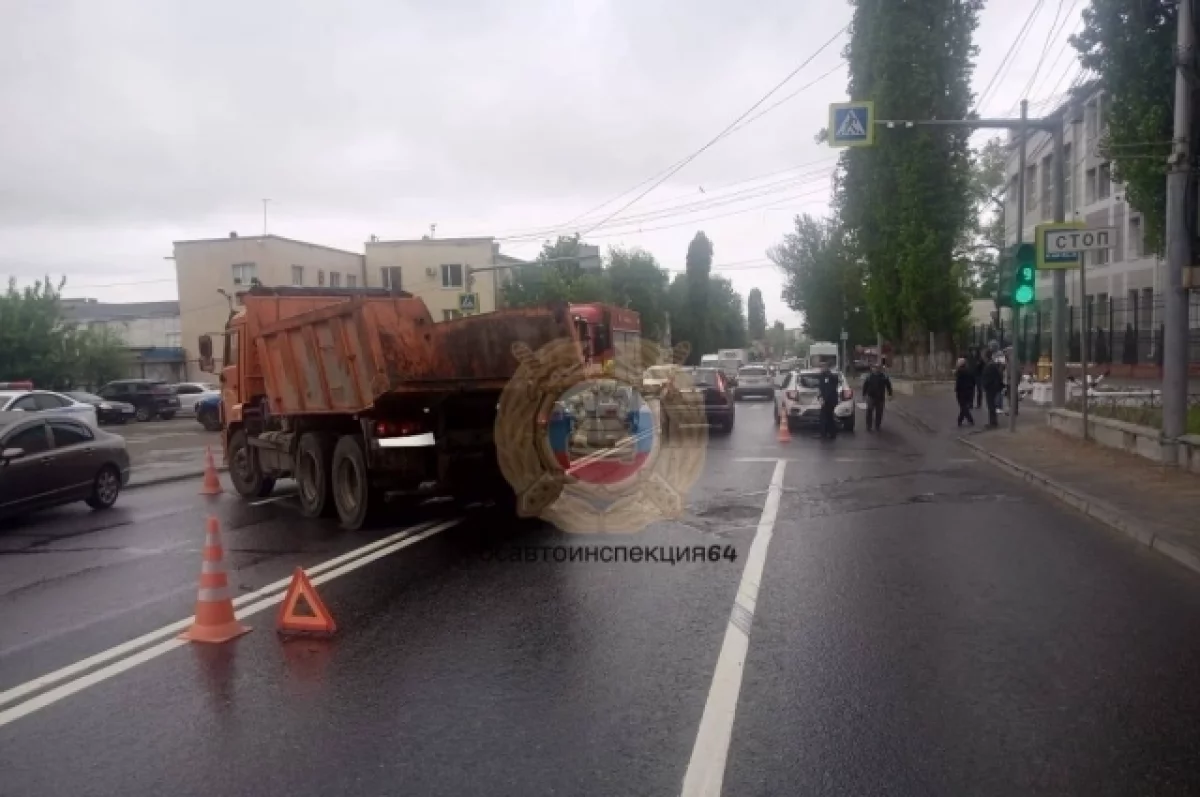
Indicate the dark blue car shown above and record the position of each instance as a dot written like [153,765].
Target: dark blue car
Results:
[208,413]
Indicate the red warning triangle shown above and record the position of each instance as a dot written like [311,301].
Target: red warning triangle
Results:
[289,619]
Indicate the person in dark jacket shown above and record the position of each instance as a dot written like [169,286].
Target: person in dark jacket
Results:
[876,388]
[964,391]
[828,387]
[977,363]
[993,385]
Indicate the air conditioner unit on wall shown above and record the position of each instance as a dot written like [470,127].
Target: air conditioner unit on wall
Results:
[431,272]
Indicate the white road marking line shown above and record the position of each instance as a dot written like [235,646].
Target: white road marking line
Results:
[104,673]
[273,499]
[43,681]
[706,770]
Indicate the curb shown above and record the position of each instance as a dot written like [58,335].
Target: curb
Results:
[174,477]
[1094,508]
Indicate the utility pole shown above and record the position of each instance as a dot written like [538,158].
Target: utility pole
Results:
[265,201]
[1058,311]
[1179,254]
[1014,362]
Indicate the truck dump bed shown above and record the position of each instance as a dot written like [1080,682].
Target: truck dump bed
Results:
[344,355]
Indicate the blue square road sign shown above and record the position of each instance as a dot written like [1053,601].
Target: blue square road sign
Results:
[852,124]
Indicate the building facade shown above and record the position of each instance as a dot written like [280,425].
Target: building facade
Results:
[150,330]
[210,273]
[1128,276]
[441,271]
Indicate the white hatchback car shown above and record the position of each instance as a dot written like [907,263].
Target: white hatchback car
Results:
[754,380]
[796,399]
[189,393]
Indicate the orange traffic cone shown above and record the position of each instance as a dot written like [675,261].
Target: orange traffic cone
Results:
[785,434]
[214,605]
[212,482]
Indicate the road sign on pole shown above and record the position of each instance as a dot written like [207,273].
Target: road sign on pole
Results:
[1049,239]
[468,302]
[852,124]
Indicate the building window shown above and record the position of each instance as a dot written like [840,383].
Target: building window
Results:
[1031,188]
[351,281]
[450,315]
[1104,182]
[1136,242]
[389,277]
[452,276]
[321,277]
[297,275]
[244,273]
[335,279]
[1091,119]
[1090,189]
[1100,257]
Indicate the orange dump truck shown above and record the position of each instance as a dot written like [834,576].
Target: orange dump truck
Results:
[359,396]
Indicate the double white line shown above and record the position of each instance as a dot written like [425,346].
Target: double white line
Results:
[55,686]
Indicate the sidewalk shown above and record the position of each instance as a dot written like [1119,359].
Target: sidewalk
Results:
[1155,506]
[155,467]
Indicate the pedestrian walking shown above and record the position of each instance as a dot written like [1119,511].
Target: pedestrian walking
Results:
[828,387]
[993,386]
[977,363]
[965,387]
[877,388]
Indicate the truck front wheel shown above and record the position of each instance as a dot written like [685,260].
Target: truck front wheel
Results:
[314,457]
[352,493]
[244,470]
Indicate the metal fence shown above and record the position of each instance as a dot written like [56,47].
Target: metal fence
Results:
[1126,331]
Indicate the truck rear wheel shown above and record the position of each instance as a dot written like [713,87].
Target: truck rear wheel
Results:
[314,458]
[352,493]
[244,469]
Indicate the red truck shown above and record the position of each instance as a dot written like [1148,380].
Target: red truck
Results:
[360,397]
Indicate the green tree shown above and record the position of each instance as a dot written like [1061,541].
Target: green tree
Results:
[699,267]
[756,315]
[1131,45]
[905,203]
[822,281]
[723,320]
[555,276]
[37,344]
[638,282]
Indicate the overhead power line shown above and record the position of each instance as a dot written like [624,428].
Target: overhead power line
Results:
[726,131]
[1006,62]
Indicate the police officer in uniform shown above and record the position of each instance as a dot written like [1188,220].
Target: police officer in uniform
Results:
[828,387]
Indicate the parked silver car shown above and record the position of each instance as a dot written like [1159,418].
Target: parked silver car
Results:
[47,459]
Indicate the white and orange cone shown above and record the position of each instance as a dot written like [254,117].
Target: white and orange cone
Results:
[215,621]
[212,482]
[785,434]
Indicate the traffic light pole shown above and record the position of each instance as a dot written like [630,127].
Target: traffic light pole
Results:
[1014,362]
[1058,311]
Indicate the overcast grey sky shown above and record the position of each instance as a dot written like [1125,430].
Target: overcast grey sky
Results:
[132,123]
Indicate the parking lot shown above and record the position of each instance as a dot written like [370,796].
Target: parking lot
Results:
[166,449]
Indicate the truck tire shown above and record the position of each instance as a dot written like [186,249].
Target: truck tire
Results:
[356,502]
[314,458]
[245,472]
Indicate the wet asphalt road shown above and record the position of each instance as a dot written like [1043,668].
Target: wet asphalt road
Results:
[924,626]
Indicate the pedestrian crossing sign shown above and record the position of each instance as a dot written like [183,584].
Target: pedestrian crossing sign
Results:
[468,303]
[852,124]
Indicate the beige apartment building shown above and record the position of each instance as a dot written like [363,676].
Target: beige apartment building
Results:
[442,271]
[210,273]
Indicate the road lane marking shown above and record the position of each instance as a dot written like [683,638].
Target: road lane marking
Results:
[706,770]
[132,645]
[116,668]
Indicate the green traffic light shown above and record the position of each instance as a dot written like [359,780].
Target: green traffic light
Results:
[1023,295]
